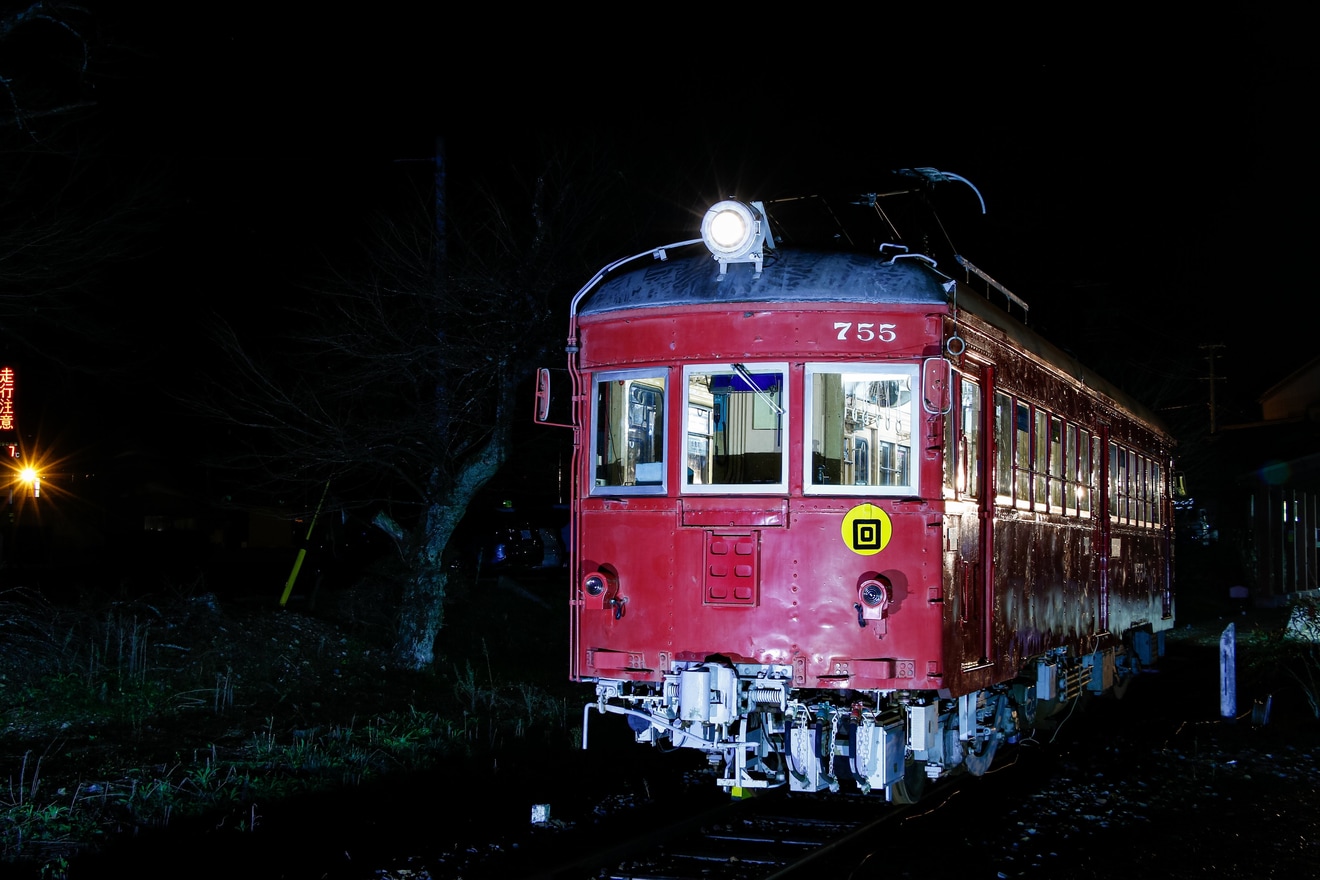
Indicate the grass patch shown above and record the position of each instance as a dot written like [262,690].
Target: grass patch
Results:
[137,714]
[1288,654]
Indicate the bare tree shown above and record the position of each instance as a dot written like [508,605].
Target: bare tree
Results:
[401,387]
[71,211]
[43,68]
[45,75]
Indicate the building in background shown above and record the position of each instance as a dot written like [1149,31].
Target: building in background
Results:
[1279,489]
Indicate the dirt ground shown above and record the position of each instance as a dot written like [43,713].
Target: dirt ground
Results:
[1154,785]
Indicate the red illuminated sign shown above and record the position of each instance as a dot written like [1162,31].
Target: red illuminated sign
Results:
[6,398]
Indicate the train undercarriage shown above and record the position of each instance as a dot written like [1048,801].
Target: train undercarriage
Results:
[759,732]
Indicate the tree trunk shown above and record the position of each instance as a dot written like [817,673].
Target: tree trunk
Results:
[421,614]
[422,609]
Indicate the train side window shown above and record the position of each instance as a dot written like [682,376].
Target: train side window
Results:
[1132,486]
[1056,464]
[1022,454]
[1118,484]
[1040,460]
[1113,482]
[1127,487]
[737,427]
[1139,496]
[1146,492]
[1003,449]
[1081,488]
[1156,494]
[1090,469]
[628,436]
[858,432]
[969,439]
[1072,474]
[962,443]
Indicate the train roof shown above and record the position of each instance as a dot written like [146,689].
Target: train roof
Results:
[793,276]
[788,276]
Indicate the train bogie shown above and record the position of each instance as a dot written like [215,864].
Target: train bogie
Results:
[837,521]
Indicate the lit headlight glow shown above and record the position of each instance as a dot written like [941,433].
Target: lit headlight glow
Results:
[736,232]
[731,230]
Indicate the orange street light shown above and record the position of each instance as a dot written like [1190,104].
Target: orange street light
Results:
[30,476]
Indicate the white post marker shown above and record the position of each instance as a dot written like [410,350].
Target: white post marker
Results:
[1228,672]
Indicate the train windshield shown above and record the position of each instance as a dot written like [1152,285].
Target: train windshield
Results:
[628,441]
[859,429]
[736,427]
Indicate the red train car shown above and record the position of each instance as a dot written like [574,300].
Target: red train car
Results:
[841,522]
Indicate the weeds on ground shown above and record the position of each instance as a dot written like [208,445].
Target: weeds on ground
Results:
[88,700]
[44,828]
[1291,653]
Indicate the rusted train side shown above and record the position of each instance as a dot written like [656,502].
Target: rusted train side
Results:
[1072,538]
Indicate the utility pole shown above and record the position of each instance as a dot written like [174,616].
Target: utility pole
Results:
[440,196]
[1212,379]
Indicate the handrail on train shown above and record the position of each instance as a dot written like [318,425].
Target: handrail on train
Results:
[660,253]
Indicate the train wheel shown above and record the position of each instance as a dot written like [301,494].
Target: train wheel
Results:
[979,751]
[978,758]
[912,786]
[1027,705]
[1121,681]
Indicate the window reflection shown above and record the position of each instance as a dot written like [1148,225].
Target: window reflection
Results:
[629,432]
[736,422]
[860,429]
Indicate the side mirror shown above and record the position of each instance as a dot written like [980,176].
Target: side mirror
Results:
[542,396]
[936,385]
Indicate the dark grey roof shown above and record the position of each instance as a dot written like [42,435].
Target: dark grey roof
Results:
[787,276]
[795,276]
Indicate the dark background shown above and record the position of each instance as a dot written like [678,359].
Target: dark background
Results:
[1147,185]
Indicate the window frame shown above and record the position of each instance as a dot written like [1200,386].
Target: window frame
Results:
[660,374]
[906,463]
[785,403]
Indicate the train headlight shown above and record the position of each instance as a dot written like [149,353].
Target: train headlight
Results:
[595,584]
[603,584]
[729,229]
[735,232]
[874,596]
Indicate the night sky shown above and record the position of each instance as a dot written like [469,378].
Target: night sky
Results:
[1146,188]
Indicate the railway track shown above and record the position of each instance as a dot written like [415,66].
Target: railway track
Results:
[763,838]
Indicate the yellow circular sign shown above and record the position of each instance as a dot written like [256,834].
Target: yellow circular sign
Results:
[866,529]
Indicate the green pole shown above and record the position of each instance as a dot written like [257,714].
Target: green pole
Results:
[302,551]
